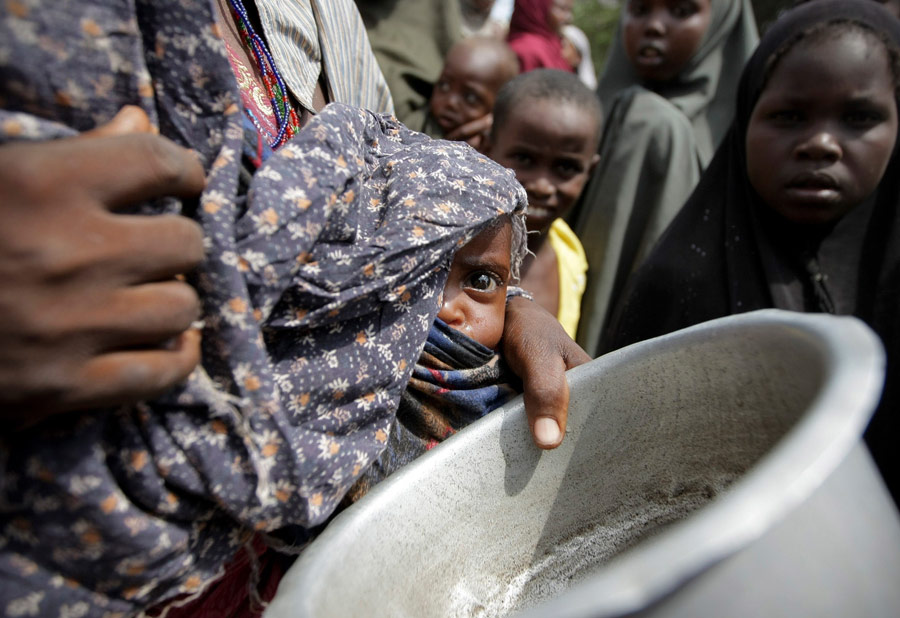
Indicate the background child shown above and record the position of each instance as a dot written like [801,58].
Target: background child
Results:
[460,376]
[474,71]
[798,209]
[668,91]
[546,128]
[478,21]
[535,33]
[577,50]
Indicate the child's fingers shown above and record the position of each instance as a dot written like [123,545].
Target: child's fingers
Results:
[547,405]
[479,127]
[540,352]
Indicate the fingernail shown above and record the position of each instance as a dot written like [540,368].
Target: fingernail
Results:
[546,431]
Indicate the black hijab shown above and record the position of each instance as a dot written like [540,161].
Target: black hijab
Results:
[725,253]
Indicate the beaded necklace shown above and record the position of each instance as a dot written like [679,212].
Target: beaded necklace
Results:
[285,115]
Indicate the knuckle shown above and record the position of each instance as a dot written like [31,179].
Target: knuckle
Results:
[163,158]
[21,174]
[32,326]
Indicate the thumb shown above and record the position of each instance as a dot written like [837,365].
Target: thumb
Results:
[129,119]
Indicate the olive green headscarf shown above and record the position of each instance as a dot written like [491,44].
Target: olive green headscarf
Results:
[655,145]
[705,90]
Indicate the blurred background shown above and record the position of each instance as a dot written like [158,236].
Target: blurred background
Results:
[598,18]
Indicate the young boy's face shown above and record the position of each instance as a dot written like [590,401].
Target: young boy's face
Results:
[467,86]
[822,132]
[474,301]
[661,36]
[552,147]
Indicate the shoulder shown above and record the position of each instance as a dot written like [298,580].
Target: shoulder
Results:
[645,109]
[529,44]
[566,243]
[641,120]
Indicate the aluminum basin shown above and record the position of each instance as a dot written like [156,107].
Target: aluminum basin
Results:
[715,471]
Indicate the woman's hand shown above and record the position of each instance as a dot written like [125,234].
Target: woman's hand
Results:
[540,352]
[91,312]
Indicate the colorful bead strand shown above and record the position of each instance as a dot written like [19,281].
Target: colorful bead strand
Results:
[285,114]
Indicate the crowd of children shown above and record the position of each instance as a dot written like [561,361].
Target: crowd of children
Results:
[668,91]
[366,290]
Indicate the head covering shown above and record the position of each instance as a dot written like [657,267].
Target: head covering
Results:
[654,148]
[585,68]
[530,36]
[319,286]
[725,253]
[705,89]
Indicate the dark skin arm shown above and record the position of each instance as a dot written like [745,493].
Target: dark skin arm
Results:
[539,351]
[91,311]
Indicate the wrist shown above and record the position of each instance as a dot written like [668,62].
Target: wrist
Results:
[513,291]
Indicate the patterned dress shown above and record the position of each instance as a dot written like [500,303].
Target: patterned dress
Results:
[321,281]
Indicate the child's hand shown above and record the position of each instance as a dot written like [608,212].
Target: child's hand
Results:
[475,132]
[540,352]
[90,310]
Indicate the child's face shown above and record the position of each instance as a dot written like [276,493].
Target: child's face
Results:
[467,86]
[552,147]
[661,36]
[474,300]
[892,5]
[560,14]
[823,129]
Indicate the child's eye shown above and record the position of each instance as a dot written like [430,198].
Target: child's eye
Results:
[483,281]
[522,159]
[862,119]
[683,10]
[567,169]
[786,117]
[638,8]
[472,98]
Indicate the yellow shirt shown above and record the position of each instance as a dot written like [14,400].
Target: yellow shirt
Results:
[572,264]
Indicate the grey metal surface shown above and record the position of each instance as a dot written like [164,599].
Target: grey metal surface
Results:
[718,471]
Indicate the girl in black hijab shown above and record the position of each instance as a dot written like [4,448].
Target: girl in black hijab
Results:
[798,208]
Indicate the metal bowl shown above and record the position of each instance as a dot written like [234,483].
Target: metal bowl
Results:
[715,471]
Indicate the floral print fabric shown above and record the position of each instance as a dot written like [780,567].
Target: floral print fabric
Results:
[318,290]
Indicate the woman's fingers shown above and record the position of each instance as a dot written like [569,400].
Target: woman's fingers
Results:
[133,375]
[88,301]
